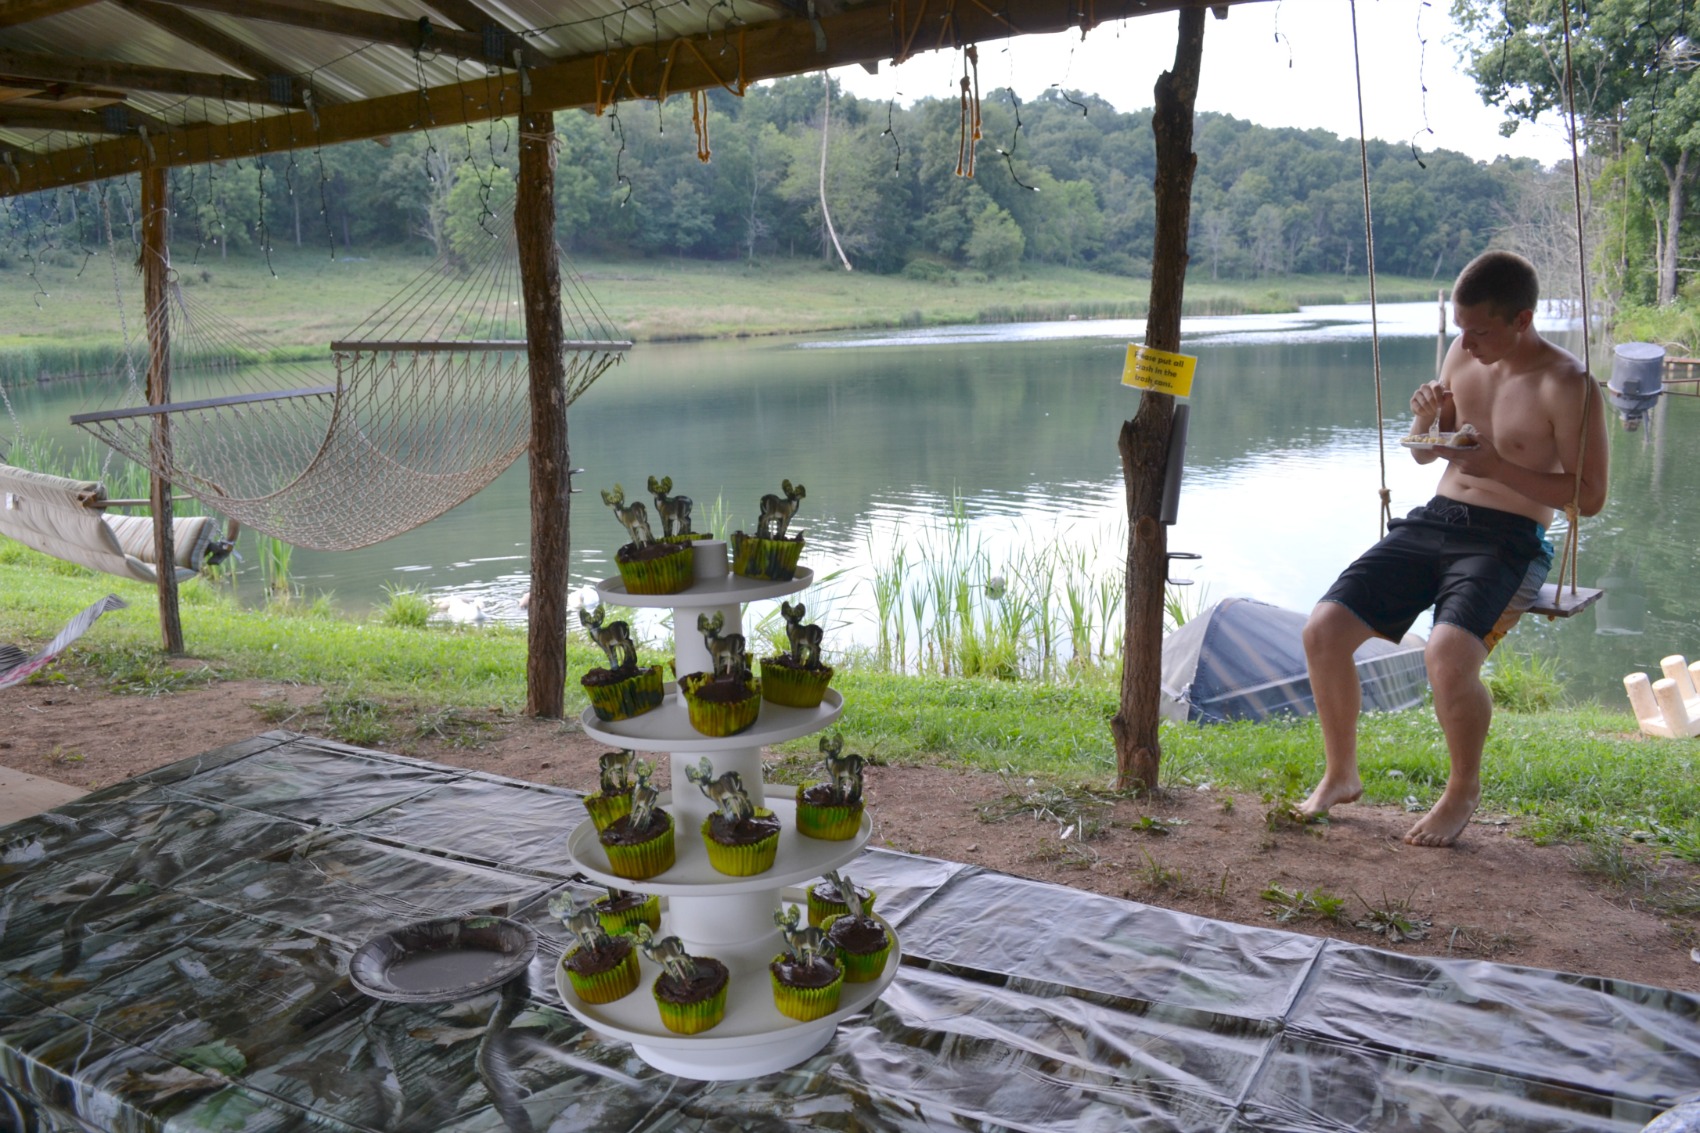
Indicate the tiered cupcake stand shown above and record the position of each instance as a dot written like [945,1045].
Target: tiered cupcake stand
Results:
[729,918]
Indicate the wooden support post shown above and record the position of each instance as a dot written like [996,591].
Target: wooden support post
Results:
[1144,441]
[540,280]
[156,262]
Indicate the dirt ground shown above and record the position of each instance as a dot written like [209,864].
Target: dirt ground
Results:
[1495,896]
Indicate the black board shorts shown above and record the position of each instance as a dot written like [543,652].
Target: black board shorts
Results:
[1468,562]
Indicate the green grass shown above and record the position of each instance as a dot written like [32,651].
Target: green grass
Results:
[75,326]
[1577,775]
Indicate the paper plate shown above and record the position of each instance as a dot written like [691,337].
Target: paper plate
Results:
[1433,440]
[443,960]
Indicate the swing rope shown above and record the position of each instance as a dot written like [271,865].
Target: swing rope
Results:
[1369,246]
[1573,510]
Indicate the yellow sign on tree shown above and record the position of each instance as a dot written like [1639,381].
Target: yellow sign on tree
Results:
[1159,371]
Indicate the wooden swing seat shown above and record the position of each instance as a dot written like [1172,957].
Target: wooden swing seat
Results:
[1558,601]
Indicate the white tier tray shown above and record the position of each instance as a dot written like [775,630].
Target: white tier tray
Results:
[726,590]
[799,858]
[753,1038]
[668,727]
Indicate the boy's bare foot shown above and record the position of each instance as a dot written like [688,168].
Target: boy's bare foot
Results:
[1328,793]
[1445,821]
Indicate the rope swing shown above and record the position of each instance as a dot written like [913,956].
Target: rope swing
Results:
[429,403]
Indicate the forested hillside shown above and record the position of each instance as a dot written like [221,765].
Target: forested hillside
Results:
[1065,179]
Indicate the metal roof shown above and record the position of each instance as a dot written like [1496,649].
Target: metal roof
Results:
[96,88]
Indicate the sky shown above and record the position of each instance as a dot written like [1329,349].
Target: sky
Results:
[1280,63]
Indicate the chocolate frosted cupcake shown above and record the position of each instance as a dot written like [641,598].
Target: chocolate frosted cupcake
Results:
[863,943]
[613,798]
[807,977]
[622,689]
[637,850]
[720,707]
[833,810]
[603,973]
[655,568]
[690,992]
[622,911]
[825,901]
[601,968]
[768,559]
[795,686]
[741,847]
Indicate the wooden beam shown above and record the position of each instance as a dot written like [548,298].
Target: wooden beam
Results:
[134,77]
[551,500]
[1144,441]
[70,121]
[193,29]
[356,23]
[18,12]
[156,265]
[758,51]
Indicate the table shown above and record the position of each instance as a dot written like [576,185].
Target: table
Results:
[173,954]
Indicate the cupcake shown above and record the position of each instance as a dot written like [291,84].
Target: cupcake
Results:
[833,810]
[646,565]
[601,968]
[720,708]
[622,911]
[640,844]
[863,943]
[622,689]
[741,839]
[825,901]
[770,553]
[613,798]
[807,978]
[690,992]
[796,678]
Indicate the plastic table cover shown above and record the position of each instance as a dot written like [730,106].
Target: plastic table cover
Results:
[174,954]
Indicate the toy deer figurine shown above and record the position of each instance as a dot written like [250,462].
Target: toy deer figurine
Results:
[673,511]
[614,768]
[633,517]
[804,944]
[726,790]
[776,511]
[845,771]
[725,651]
[667,951]
[803,641]
[615,638]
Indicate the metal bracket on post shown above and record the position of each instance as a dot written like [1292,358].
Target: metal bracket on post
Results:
[1171,557]
[571,472]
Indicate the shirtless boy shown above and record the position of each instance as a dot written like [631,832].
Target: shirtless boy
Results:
[1476,551]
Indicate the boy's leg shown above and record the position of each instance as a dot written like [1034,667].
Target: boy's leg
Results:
[1464,708]
[1331,635]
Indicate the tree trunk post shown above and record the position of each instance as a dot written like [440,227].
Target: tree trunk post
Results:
[156,264]
[540,281]
[1144,441]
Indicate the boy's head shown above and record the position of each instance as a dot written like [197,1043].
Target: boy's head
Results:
[1503,283]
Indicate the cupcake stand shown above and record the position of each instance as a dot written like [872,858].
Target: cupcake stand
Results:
[729,918]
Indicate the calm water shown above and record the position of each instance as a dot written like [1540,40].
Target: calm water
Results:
[1019,424]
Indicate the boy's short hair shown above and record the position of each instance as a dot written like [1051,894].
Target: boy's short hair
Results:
[1503,282]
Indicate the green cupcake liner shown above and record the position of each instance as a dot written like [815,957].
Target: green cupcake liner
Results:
[646,859]
[605,987]
[773,559]
[693,1018]
[633,696]
[806,1003]
[605,810]
[860,968]
[627,920]
[666,575]
[828,823]
[713,718]
[742,861]
[820,910]
[794,688]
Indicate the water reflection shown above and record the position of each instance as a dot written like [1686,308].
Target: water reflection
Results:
[1013,430]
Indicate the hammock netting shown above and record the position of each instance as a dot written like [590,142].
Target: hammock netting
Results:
[428,403]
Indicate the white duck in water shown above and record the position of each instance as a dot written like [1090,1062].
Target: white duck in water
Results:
[461,611]
[584,596]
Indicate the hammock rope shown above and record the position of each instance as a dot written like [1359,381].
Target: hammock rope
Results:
[429,403]
[1386,495]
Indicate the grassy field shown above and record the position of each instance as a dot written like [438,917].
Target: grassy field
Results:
[1578,775]
[65,316]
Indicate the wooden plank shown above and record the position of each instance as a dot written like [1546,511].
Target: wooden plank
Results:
[81,71]
[205,403]
[1556,602]
[756,51]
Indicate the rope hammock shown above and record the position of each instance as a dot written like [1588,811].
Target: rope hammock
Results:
[430,402]
[1554,600]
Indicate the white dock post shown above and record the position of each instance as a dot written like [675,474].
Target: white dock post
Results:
[1669,695]
[1675,667]
[1641,701]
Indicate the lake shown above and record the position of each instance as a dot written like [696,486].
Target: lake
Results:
[992,450]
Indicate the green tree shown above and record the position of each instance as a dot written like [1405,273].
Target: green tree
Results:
[996,244]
